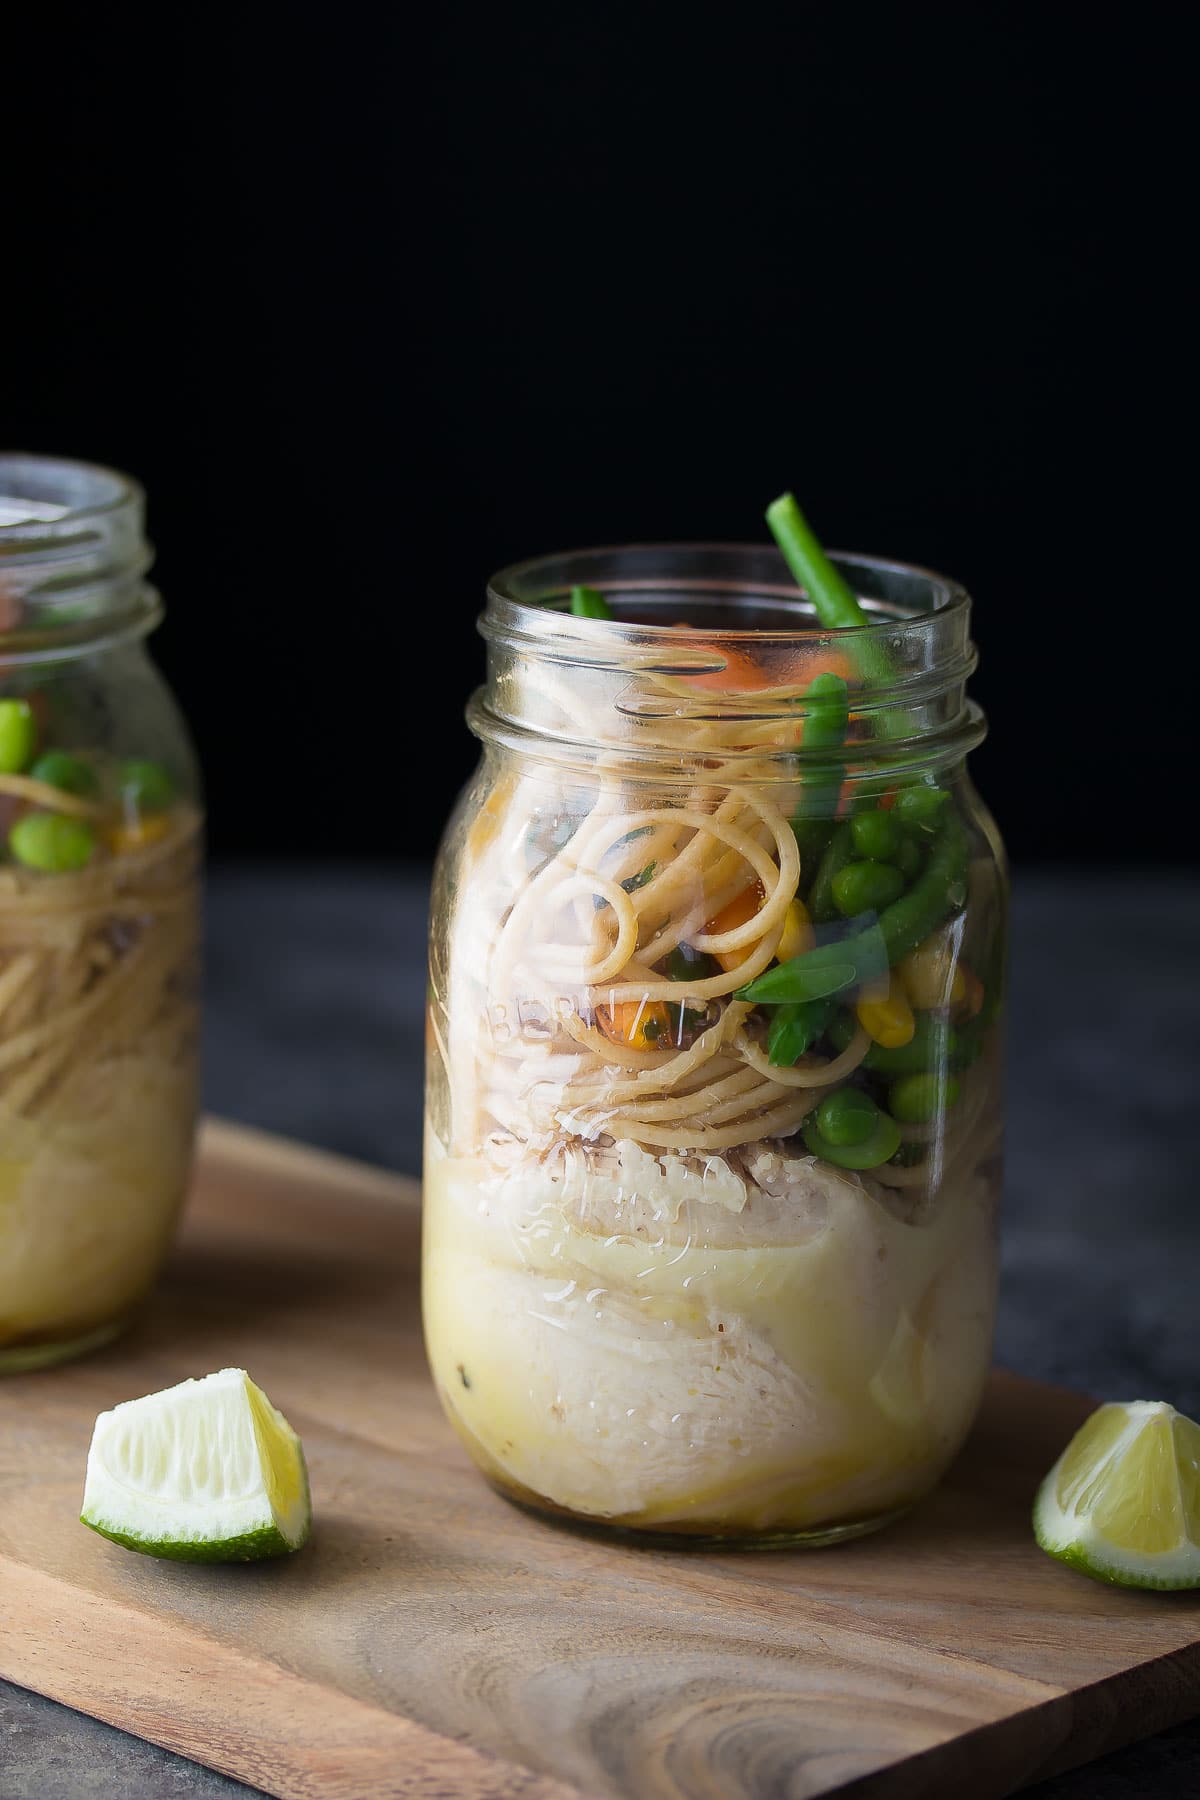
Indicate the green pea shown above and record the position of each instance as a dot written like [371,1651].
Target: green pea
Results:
[52,843]
[916,1099]
[876,834]
[57,768]
[847,1117]
[18,736]
[866,887]
[879,1147]
[589,603]
[146,786]
[835,856]
[812,840]
[920,805]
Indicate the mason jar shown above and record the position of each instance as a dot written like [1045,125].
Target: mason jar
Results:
[100,844]
[714,1070]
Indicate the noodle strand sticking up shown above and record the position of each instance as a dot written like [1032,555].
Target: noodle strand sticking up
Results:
[132,930]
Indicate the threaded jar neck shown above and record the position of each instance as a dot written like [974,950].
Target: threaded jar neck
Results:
[714,648]
[73,558]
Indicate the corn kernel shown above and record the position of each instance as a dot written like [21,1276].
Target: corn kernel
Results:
[137,834]
[877,990]
[797,935]
[888,1022]
[931,975]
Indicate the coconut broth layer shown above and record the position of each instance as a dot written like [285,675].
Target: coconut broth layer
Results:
[757,1344]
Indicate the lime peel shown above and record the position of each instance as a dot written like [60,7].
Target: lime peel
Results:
[1122,1503]
[207,1471]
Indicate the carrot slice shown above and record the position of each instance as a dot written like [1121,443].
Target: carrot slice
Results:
[739,911]
[640,1024]
[744,674]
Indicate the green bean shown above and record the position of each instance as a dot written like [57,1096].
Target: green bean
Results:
[847,1116]
[837,607]
[826,718]
[879,1147]
[907,922]
[52,843]
[589,603]
[18,736]
[812,840]
[877,835]
[863,887]
[794,1029]
[934,1045]
[908,857]
[837,853]
[938,890]
[834,602]
[916,1099]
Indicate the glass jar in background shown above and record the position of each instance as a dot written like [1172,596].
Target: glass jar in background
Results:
[714,1076]
[100,849]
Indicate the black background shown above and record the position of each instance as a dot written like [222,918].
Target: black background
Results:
[373,305]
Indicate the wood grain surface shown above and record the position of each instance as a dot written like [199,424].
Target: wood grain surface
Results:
[434,1640]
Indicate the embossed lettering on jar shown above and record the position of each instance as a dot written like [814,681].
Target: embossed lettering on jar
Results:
[99,907]
[714,1107]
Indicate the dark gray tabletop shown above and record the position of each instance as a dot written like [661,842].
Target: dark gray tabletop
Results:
[315,992]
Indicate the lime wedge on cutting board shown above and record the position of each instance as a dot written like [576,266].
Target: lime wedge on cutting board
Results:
[207,1471]
[1122,1503]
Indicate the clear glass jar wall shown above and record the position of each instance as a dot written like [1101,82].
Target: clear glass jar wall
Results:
[100,827]
[702,1261]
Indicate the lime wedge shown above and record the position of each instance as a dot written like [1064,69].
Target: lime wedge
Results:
[1122,1503]
[207,1471]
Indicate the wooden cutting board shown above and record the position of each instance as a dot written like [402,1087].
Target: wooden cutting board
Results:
[434,1640]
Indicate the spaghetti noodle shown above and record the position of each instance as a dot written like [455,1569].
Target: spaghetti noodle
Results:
[98,1086]
[652,878]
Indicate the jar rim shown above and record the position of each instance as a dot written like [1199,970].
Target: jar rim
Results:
[73,557]
[569,687]
[74,489]
[512,604]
